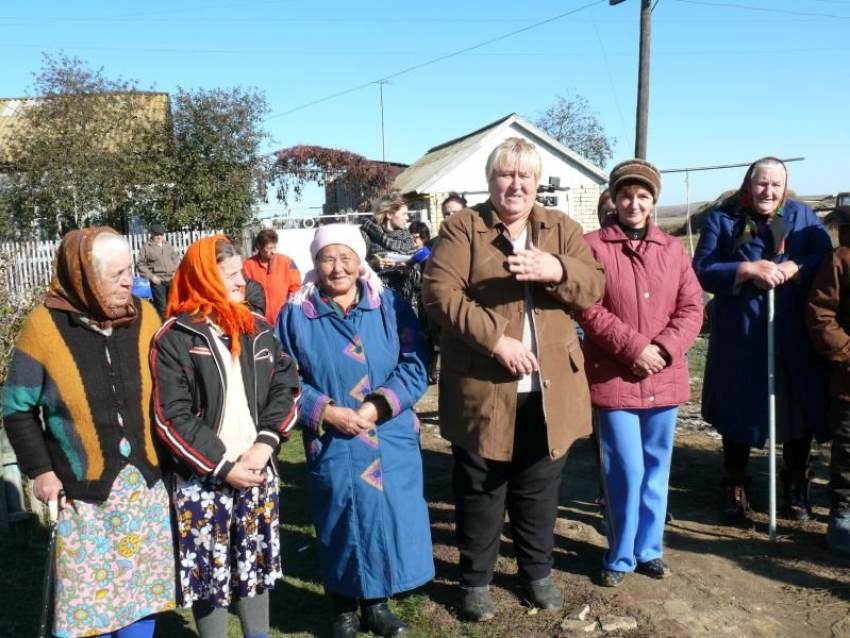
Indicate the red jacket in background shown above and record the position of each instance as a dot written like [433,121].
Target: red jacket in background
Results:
[651,296]
[279,279]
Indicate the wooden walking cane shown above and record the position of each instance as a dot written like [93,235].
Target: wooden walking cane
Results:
[771,414]
[47,589]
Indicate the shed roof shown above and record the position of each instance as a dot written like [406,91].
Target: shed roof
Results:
[155,105]
[439,160]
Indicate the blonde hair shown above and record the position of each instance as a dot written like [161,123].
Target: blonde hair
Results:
[386,206]
[514,151]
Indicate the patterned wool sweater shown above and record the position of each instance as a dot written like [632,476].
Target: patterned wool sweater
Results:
[60,375]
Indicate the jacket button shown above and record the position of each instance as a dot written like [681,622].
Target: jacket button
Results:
[646,294]
[556,452]
[651,399]
[595,365]
[537,311]
[547,383]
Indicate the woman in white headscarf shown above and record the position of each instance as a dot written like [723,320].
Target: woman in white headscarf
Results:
[363,362]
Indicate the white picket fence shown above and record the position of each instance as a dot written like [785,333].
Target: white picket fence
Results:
[29,264]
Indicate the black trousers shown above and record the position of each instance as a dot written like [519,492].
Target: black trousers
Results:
[795,458]
[526,487]
[160,297]
[839,465]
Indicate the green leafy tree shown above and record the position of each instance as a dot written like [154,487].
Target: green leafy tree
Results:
[570,121]
[218,170]
[87,150]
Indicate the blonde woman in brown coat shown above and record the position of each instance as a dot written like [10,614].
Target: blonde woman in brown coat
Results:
[501,283]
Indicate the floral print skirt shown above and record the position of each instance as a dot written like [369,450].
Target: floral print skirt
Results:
[227,539]
[114,561]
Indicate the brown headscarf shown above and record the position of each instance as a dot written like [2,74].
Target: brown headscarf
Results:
[197,289]
[76,284]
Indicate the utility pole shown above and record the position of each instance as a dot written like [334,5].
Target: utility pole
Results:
[642,124]
[383,143]
[642,116]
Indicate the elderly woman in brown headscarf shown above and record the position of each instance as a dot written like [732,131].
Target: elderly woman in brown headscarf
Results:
[80,368]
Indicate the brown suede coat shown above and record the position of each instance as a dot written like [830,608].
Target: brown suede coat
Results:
[470,293]
[828,318]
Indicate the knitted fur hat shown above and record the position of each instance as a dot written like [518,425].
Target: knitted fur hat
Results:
[635,170]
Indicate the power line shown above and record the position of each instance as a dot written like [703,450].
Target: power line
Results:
[611,79]
[435,60]
[733,5]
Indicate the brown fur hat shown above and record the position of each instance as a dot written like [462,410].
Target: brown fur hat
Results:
[635,170]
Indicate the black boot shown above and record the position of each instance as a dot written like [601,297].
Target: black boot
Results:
[796,486]
[378,619]
[346,623]
[737,504]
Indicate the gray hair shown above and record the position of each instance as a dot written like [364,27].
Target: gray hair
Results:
[514,151]
[105,246]
[768,162]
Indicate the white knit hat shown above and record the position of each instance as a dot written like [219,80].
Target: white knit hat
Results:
[345,234]
[348,235]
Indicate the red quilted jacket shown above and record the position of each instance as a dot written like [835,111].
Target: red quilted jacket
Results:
[651,296]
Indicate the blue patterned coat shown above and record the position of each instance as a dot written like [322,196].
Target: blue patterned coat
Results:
[366,492]
[734,396]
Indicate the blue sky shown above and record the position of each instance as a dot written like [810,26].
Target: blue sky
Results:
[731,80]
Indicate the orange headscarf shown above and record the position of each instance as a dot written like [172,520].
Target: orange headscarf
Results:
[75,286]
[197,289]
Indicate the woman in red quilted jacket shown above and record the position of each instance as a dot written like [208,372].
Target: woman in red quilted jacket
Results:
[636,340]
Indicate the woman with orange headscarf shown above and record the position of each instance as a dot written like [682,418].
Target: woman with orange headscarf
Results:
[224,398]
[76,407]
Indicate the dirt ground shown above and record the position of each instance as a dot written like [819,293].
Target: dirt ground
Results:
[726,580]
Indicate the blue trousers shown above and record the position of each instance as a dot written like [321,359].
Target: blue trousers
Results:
[636,449]
[142,628]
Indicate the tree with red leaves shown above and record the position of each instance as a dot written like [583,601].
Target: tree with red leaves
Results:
[294,167]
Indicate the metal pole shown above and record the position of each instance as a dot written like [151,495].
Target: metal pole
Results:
[688,212]
[771,415]
[643,80]
[383,145]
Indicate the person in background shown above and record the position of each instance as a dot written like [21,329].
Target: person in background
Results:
[275,272]
[605,207]
[424,244]
[363,361]
[421,234]
[157,262]
[635,355]
[76,407]
[502,282]
[452,204]
[828,320]
[387,232]
[224,397]
[754,241]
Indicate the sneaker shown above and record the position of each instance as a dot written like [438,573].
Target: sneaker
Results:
[655,568]
[476,604]
[543,594]
[611,578]
[838,531]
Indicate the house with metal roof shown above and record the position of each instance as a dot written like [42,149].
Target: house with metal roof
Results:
[569,182]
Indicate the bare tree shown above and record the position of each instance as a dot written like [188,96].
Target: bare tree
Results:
[570,121]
